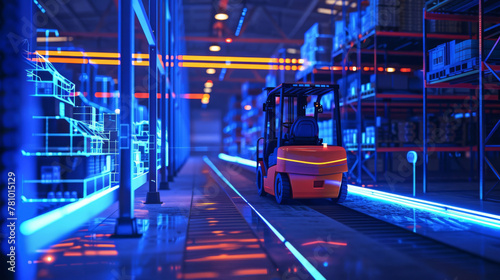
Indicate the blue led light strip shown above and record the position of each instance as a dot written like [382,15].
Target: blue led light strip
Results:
[240,22]
[307,265]
[443,209]
[457,212]
[39,6]
[239,160]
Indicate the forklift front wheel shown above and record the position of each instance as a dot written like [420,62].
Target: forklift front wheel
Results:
[260,182]
[282,189]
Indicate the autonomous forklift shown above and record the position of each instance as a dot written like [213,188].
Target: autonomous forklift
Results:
[295,162]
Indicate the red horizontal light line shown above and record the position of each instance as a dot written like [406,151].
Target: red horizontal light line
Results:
[142,95]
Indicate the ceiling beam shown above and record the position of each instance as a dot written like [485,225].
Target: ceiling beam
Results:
[192,38]
[74,17]
[274,23]
[300,22]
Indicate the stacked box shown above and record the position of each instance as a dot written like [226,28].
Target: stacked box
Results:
[445,26]
[317,46]
[381,15]
[466,50]
[353,90]
[352,26]
[389,81]
[339,37]
[370,135]
[454,58]
[411,15]
[442,55]
[407,132]
[326,131]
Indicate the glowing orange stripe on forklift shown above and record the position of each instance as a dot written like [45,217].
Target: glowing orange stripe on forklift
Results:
[309,162]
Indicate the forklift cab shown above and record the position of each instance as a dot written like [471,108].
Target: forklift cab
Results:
[291,127]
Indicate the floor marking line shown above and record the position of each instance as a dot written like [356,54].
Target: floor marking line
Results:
[307,265]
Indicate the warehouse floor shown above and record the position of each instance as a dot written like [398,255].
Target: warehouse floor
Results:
[205,230]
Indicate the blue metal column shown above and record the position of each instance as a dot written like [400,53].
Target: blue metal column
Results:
[153,196]
[174,88]
[170,102]
[163,35]
[126,224]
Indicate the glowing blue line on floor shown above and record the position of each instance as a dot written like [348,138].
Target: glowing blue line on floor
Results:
[456,212]
[307,265]
[452,211]
[239,160]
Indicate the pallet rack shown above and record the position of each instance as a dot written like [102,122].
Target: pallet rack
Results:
[480,12]
[385,46]
[363,45]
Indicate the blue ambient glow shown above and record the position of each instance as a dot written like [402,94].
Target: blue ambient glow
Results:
[307,265]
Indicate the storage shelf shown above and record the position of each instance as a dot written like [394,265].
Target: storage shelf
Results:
[465,80]
[461,8]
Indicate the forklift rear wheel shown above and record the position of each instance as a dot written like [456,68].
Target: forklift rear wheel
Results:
[260,182]
[342,193]
[282,189]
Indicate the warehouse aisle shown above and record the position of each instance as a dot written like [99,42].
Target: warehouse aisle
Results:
[219,243]
[342,243]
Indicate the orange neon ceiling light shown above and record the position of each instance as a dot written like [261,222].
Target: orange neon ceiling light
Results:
[180,57]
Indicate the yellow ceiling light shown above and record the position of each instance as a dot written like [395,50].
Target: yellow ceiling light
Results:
[209,84]
[221,16]
[214,48]
[205,99]
[327,11]
[210,71]
[336,2]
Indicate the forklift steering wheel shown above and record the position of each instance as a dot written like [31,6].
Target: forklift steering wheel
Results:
[287,124]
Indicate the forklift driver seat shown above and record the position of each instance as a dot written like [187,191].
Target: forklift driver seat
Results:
[304,131]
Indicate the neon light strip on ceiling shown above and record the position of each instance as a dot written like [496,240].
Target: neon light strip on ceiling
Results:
[213,58]
[443,209]
[307,265]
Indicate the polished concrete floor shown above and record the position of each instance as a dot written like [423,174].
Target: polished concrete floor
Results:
[205,230]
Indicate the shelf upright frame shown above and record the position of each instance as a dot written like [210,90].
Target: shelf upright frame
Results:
[481,102]
[424,101]
[483,68]
[359,117]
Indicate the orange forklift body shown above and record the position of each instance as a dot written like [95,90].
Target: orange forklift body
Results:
[314,171]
